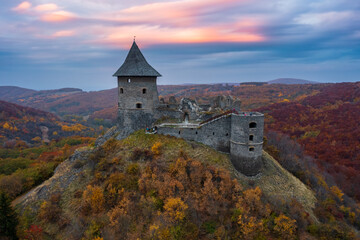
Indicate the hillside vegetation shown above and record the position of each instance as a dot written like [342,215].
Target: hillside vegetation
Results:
[327,126]
[159,187]
[26,127]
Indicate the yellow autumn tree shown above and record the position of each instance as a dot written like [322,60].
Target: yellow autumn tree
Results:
[94,196]
[285,227]
[36,139]
[6,126]
[156,148]
[251,213]
[337,192]
[175,209]
[74,128]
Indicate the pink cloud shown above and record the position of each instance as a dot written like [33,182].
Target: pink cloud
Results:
[120,37]
[22,7]
[64,33]
[162,22]
[177,13]
[46,7]
[58,16]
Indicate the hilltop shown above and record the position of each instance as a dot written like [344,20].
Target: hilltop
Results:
[291,81]
[154,186]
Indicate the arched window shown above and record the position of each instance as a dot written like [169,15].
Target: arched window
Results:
[129,80]
[252,125]
[251,149]
[251,138]
[121,90]
[138,105]
[144,90]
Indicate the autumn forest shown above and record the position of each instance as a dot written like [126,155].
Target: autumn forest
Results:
[158,187]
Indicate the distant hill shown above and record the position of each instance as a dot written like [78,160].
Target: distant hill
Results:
[25,123]
[291,81]
[14,94]
[61,101]
[11,92]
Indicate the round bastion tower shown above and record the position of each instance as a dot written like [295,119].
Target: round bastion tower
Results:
[246,142]
[138,95]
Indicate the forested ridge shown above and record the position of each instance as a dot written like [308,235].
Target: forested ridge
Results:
[327,126]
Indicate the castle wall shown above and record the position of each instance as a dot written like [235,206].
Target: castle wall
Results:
[164,112]
[215,134]
[245,151]
[134,119]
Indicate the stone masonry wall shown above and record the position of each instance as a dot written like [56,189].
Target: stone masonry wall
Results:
[215,134]
[131,93]
[246,153]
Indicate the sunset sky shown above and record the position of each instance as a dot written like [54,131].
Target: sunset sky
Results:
[48,44]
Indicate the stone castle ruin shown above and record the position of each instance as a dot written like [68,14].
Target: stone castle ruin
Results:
[220,124]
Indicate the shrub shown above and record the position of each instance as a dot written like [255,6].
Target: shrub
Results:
[141,155]
[34,233]
[285,227]
[156,148]
[94,197]
[175,209]
[11,185]
[49,212]
[133,169]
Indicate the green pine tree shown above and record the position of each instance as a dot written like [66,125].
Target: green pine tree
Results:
[8,219]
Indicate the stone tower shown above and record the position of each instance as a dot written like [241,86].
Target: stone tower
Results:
[138,95]
[246,142]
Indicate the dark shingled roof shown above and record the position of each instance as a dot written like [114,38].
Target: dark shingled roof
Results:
[135,65]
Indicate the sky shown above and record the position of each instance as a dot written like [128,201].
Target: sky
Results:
[49,44]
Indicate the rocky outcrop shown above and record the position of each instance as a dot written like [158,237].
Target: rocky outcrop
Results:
[65,174]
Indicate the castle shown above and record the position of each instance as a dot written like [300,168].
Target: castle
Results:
[232,131]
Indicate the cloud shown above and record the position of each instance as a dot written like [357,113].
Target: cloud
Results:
[173,13]
[58,16]
[64,33]
[46,7]
[184,34]
[148,35]
[22,7]
[327,19]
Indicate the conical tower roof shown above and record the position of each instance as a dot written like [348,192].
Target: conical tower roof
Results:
[135,65]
